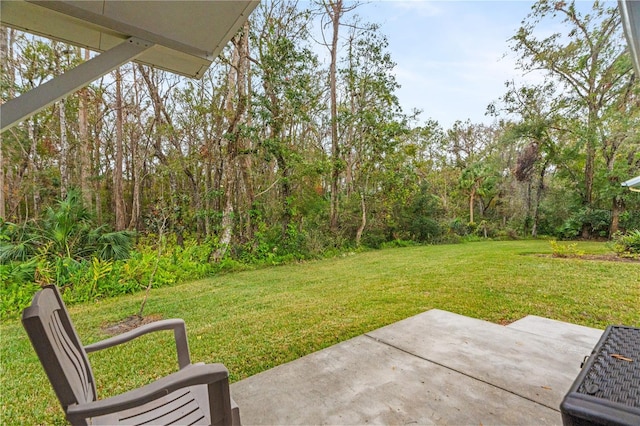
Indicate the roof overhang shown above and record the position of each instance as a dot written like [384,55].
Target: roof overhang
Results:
[633,184]
[630,14]
[181,36]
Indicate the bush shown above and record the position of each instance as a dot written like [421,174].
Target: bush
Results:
[508,234]
[66,235]
[458,227]
[16,288]
[565,250]
[398,244]
[630,219]
[596,221]
[421,217]
[626,245]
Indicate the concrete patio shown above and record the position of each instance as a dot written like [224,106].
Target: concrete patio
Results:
[434,368]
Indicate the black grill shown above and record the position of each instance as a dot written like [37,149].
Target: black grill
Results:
[607,390]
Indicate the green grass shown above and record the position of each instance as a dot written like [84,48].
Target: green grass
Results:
[254,320]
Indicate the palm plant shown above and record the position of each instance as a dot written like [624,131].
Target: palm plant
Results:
[17,242]
[66,231]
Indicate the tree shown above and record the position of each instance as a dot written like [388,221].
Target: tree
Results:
[7,72]
[236,104]
[63,142]
[28,150]
[591,65]
[118,195]
[537,140]
[478,180]
[335,10]
[290,92]
[474,152]
[371,121]
[84,142]
[202,121]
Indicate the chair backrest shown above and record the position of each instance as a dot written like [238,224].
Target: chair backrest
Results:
[57,344]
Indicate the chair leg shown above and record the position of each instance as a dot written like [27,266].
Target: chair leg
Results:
[235,414]
[220,403]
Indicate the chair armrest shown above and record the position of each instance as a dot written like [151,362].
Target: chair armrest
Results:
[199,374]
[179,331]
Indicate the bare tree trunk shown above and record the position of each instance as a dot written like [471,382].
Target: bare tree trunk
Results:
[63,161]
[207,201]
[118,196]
[136,212]
[250,194]
[246,162]
[134,223]
[334,9]
[31,132]
[536,207]
[85,144]
[363,219]
[97,188]
[6,62]
[226,224]
[617,207]
[64,150]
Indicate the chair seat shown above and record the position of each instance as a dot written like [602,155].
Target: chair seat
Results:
[182,407]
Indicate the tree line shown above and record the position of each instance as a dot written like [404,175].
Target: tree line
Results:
[294,141]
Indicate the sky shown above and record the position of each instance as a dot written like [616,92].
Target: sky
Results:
[450,55]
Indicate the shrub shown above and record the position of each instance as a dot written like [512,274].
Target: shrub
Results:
[507,234]
[626,245]
[398,243]
[458,227]
[16,287]
[596,221]
[66,235]
[565,250]
[630,219]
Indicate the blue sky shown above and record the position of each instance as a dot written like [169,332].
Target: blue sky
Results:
[450,55]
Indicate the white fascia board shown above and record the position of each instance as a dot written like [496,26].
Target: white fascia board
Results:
[632,183]
[630,14]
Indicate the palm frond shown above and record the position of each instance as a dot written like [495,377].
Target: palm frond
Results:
[115,245]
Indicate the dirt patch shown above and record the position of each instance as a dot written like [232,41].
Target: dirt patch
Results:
[610,258]
[600,257]
[128,323]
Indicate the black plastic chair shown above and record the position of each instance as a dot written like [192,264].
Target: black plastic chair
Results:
[195,394]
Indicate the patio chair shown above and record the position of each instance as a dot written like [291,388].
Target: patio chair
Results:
[195,394]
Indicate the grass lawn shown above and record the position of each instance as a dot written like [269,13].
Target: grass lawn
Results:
[254,320]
